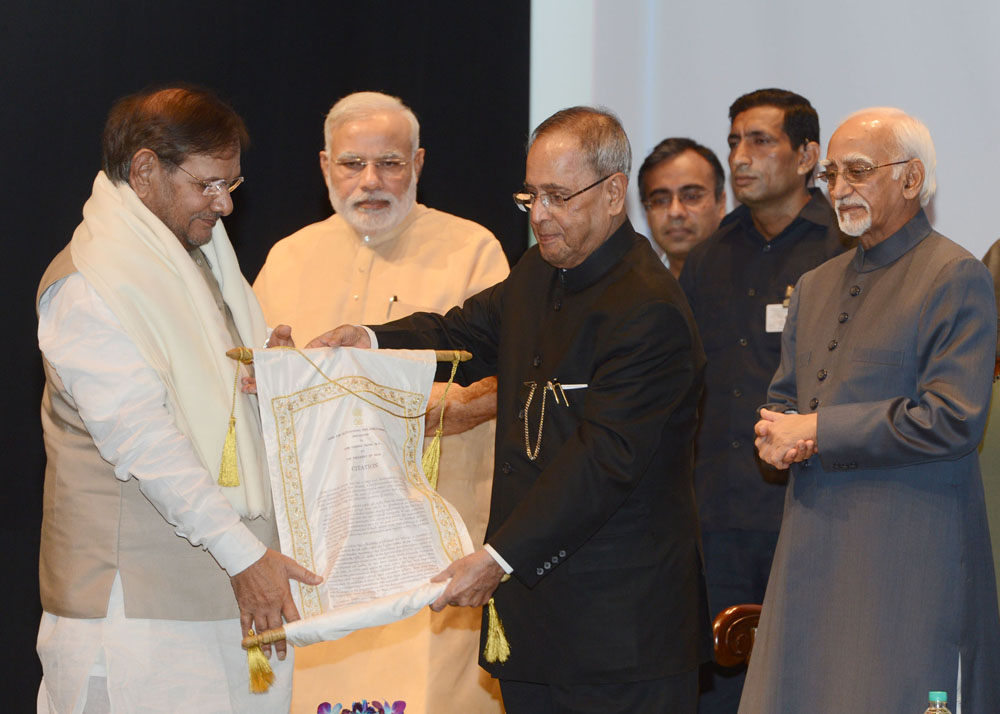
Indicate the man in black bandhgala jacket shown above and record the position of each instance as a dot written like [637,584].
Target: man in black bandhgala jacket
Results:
[600,370]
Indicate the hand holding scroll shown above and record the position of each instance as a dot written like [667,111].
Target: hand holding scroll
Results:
[473,580]
[264,596]
[343,336]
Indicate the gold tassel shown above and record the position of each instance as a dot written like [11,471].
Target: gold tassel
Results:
[261,674]
[497,646]
[229,474]
[432,456]
[431,462]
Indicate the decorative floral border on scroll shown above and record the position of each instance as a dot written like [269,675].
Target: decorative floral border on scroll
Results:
[284,408]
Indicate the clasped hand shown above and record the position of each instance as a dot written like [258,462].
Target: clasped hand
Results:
[785,439]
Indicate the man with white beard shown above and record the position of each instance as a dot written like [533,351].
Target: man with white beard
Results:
[382,256]
[882,586]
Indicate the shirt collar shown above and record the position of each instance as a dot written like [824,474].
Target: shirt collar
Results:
[599,263]
[391,234]
[893,247]
[817,211]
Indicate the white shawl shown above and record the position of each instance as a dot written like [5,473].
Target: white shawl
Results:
[140,269]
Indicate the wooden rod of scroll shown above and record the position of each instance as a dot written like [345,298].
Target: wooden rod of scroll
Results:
[245,355]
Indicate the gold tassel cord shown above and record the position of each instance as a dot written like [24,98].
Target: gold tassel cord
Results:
[497,647]
[229,474]
[431,462]
[261,674]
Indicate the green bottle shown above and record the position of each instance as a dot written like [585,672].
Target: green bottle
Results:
[937,703]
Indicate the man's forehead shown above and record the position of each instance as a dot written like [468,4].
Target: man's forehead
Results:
[759,119]
[214,166]
[382,132]
[555,160]
[688,168]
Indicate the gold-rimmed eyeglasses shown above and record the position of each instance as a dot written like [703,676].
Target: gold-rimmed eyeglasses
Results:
[211,188]
[855,172]
[391,168]
[551,201]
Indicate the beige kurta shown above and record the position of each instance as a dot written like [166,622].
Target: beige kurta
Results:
[326,275]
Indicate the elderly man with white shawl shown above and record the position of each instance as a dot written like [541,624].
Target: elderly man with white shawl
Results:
[135,317]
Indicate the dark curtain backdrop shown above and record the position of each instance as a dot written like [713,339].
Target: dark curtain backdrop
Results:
[461,66]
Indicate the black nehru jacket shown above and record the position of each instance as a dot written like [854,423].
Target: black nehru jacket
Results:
[601,528]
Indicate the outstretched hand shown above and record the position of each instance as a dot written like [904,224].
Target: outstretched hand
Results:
[343,336]
[264,596]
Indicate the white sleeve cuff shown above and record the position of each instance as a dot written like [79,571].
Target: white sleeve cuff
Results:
[237,549]
[496,556]
[371,336]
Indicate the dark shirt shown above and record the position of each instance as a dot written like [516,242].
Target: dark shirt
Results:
[729,280]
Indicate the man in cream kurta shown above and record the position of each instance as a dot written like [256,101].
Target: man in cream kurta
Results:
[382,256]
[142,551]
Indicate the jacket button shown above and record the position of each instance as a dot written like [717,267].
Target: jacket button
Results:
[855,291]
[562,553]
[751,292]
[821,375]
[843,318]
[537,362]
[813,403]
[506,468]
[547,565]
[539,571]
[735,444]
[557,305]
[737,393]
[743,342]
[833,345]
[555,559]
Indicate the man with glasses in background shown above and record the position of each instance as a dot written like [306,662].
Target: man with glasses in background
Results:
[684,193]
[882,586]
[382,256]
[599,370]
[739,283]
[135,317]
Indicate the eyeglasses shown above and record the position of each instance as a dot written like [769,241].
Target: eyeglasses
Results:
[551,201]
[211,188]
[854,173]
[663,199]
[387,168]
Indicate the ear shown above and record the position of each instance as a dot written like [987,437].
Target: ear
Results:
[913,179]
[418,162]
[615,191]
[808,158]
[723,200]
[142,172]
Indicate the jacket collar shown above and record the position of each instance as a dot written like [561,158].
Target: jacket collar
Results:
[893,247]
[599,263]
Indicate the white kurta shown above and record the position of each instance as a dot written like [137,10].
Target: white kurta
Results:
[123,403]
[326,275]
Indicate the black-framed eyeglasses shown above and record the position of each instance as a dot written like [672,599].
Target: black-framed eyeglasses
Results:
[854,172]
[388,167]
[211,188]
[551,201]
[689,198]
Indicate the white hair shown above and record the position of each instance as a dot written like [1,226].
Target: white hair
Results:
[362,105]
[913,141]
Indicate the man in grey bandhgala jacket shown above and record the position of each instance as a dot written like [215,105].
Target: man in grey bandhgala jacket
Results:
[882,586]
